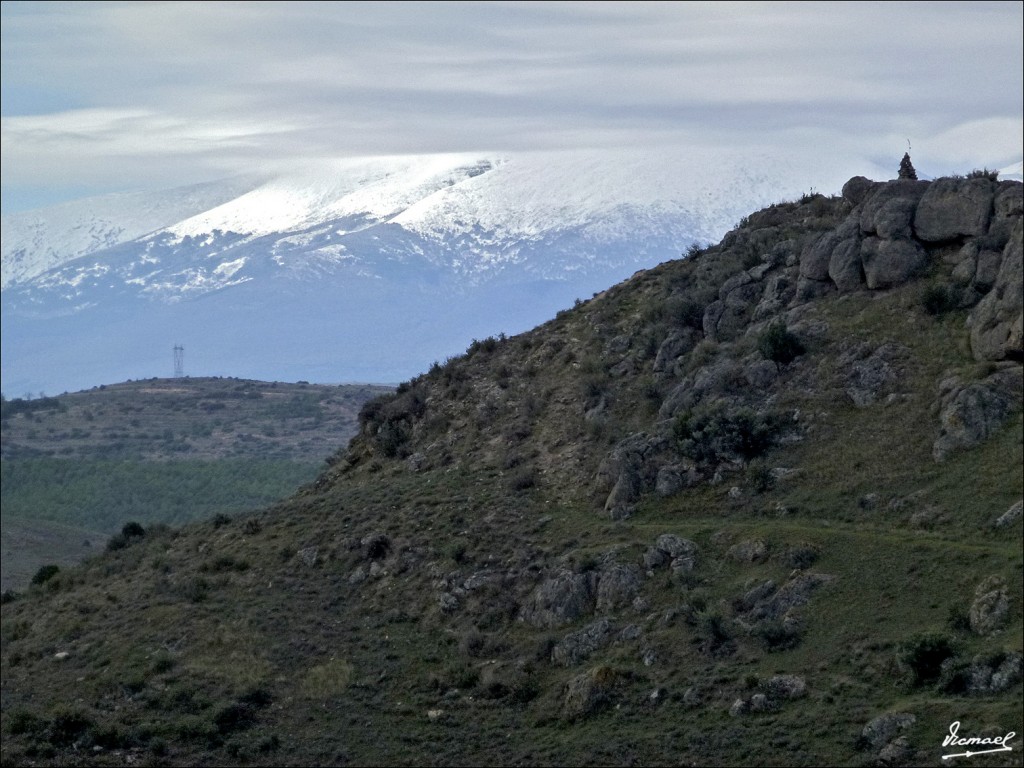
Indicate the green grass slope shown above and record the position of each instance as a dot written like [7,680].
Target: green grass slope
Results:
[162,451]
[484,577]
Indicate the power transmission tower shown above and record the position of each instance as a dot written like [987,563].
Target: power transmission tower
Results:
[179,361]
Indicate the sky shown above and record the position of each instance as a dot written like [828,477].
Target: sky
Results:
[101,97]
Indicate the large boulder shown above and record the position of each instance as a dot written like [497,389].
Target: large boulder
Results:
[628,471]
[577,646]
[1007,209]
[561,599]
[884,728]
[669,549]
[990,611]
[952,208]
[816,255]
[891,206]
[589,692]
[891,262]
[870,376]
[845,267]
[617,586]
[997,323]
[858,189]
[971,413]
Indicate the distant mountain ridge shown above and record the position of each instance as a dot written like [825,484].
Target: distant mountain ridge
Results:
[355,270]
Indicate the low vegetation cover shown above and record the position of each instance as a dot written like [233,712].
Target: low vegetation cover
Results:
[74,468]
[624,537]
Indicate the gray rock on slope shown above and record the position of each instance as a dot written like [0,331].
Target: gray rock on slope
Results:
[997,323]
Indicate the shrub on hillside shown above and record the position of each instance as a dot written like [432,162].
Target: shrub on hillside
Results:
[45,573]
[923,656]
[133,530]
[939,299]
[714,435]
[983,173]
[777,343]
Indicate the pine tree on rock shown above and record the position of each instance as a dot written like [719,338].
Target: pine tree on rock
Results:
[907,168]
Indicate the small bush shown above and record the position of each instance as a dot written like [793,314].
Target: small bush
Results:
[715,639]
[21,722]
[234,717]
[133,530]
[958,620]
[714,435]
[523,479]
[775,636]
[924,655]
[761,479]
[67,727]
[802,556]
[779,344]
[45,573]
[220,520]
[983,173]
[939,299]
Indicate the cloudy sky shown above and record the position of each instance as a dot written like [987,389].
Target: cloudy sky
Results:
[108,96]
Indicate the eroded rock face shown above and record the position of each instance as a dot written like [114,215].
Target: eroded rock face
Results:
[793,594]
[872,374]
[888,204]
[971,413]
[994,674]
[891,262]
[562,598]
[990,610]
[952,208]
[589,692]
[997,323]
[884,728]
[577,646]
[617,586]
[674,551]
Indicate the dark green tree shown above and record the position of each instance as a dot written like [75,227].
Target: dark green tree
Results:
[907,168]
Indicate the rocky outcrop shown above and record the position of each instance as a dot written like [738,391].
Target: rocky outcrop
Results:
[627,472]
[560,599]
[767,602]
[577,646]
[953,208]
[589,692]
[884,729]
[990,610]
[872,373]
[971,412]
[617,586]
[997,323]
[888,263]
[674,551]
[1010,516]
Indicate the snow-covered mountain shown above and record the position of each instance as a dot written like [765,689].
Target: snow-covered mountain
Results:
[358,269]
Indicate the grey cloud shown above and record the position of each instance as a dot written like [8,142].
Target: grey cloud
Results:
[308,79]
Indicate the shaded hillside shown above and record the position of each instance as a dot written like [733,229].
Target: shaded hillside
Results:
[77,467]
[193,417]
[758,506]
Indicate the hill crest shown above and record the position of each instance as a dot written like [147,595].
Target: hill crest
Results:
[715,514]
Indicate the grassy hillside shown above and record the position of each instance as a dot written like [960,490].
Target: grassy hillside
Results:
[718,514]
[163,451]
